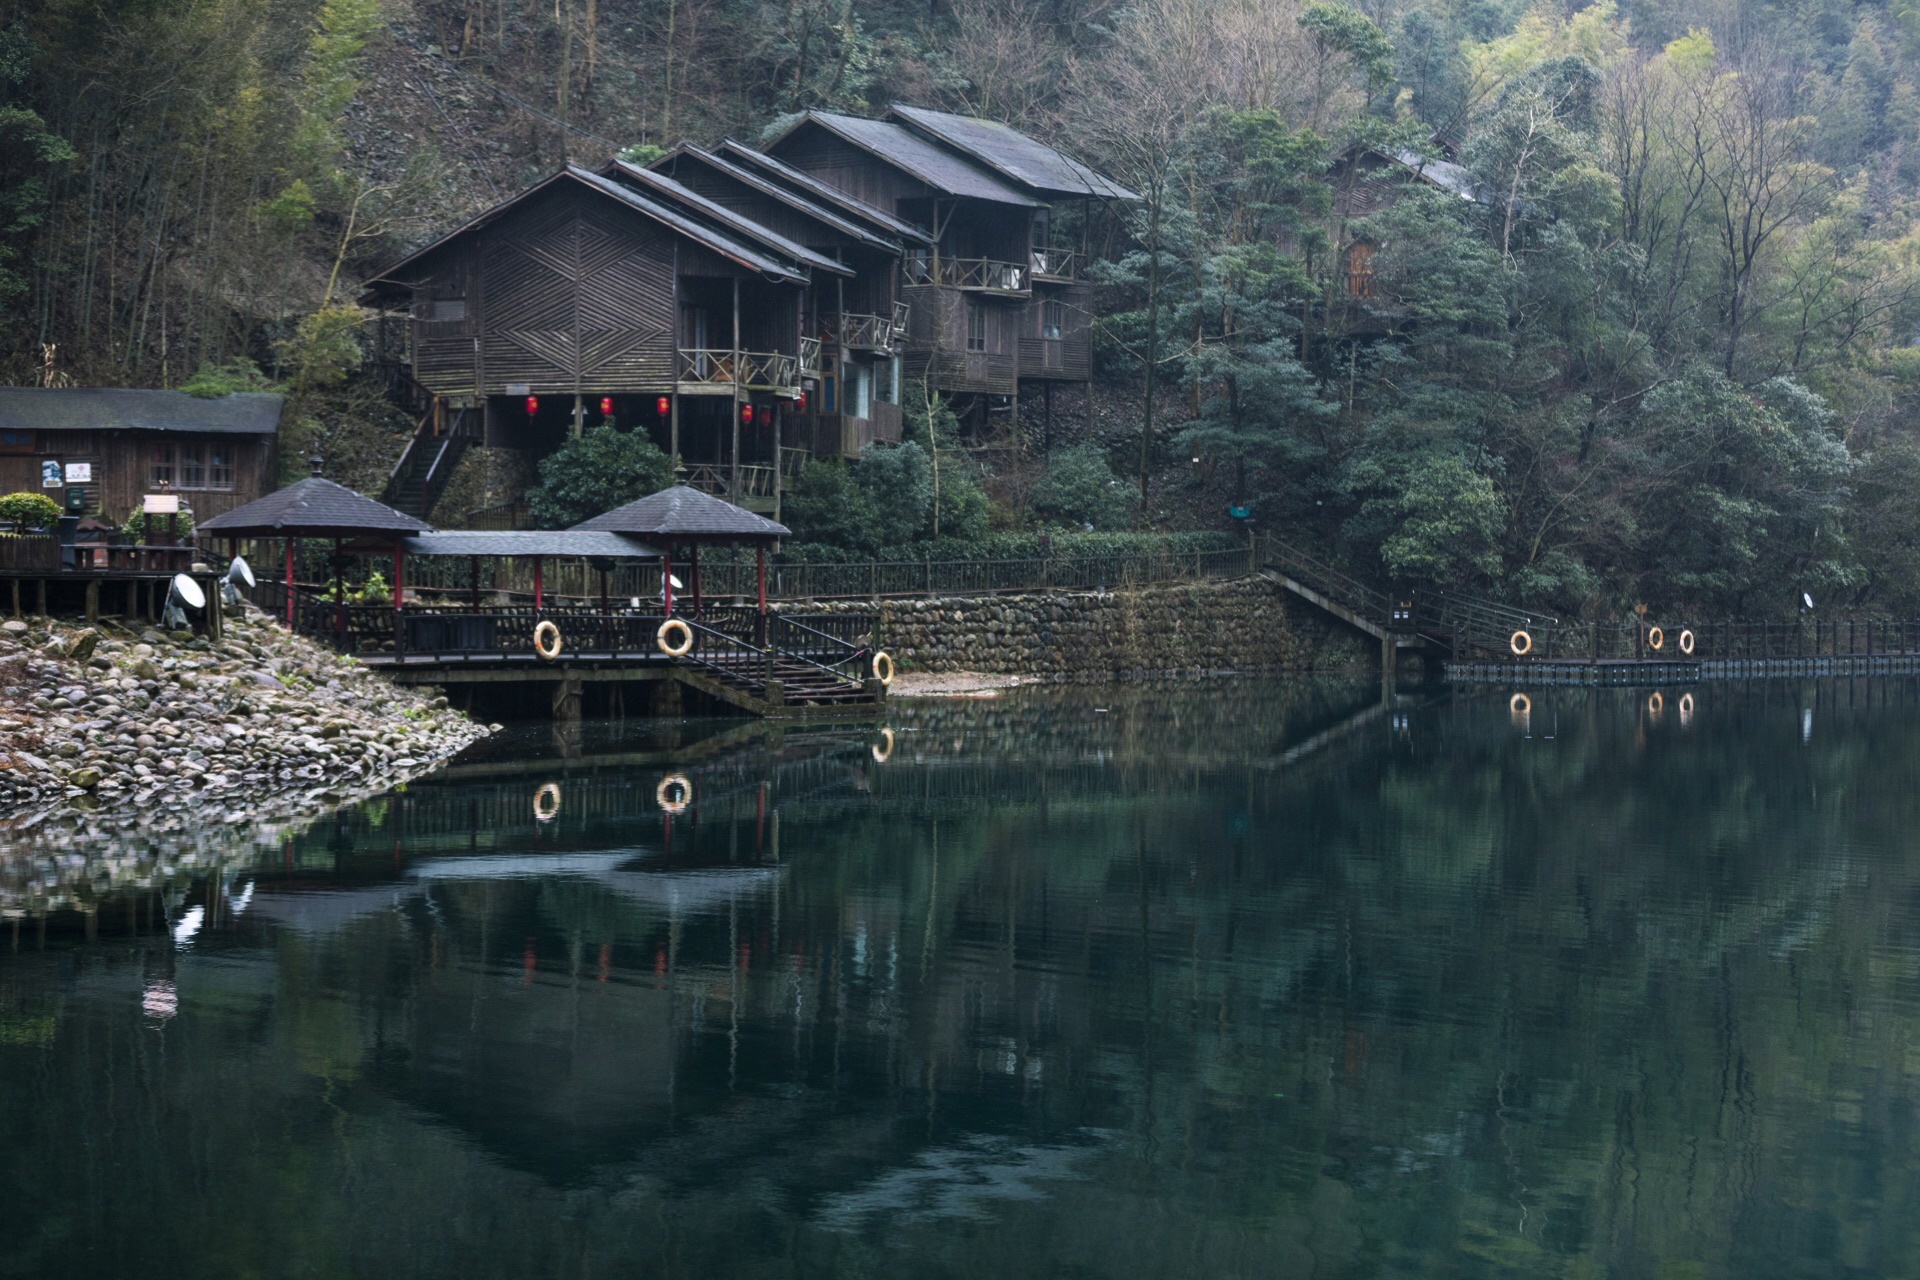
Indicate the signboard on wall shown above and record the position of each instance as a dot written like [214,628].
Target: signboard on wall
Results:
[50,474]
[161,504]
[79,473]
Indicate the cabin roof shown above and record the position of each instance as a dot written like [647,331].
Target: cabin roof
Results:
[1012,154]
[817,210]
[685,514]
[1444,174]
[314,507]
[727,246]
[833,195]
[913,155]
[662,184]
[558,543]
[255,413]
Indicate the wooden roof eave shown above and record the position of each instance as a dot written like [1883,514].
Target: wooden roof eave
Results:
[1006,194]
[850,204]
[666,187]
[773,191]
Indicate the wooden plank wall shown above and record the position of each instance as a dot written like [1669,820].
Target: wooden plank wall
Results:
[812,150]
[120,461]
[1070,359]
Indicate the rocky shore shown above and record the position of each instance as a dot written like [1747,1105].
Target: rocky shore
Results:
[101,719]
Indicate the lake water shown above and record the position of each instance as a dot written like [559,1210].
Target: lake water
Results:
[1225,980]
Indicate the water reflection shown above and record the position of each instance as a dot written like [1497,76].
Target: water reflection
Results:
[1246,979]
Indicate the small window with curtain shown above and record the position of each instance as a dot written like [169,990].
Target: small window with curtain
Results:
[976,327]
[219,466]
[1053,317]
[192,468]
[160,467]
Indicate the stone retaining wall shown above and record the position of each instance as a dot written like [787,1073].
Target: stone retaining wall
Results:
[1245,624]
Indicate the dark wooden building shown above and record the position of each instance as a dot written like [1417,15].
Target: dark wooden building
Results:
[591,298]
[109,446]
[995,300]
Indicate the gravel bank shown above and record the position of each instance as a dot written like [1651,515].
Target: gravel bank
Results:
[100,718]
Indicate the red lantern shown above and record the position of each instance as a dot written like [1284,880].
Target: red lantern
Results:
[606,406]
[533,405]
[663,406]
[766,415]
[800,403]
[746,415]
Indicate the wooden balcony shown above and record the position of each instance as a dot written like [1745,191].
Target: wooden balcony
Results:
[708,371]
[1054,264]
[984,275]
[863,332]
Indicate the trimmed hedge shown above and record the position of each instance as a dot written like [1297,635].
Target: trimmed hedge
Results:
[29,510]
[1019,546]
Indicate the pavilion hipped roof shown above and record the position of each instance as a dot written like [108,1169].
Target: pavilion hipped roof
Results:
[686,515]
[314,508]
[557,544]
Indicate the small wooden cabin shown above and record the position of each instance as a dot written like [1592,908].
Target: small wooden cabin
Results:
[99,450]
[1366,181]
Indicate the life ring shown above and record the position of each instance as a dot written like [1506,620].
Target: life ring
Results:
[882,662]
[1655,703]
[544,649]
[1521,644]
[1520,704]
[546,802]
[1686,707]
[668,647]
[879,756]
[674,793]
[1686,642]
[1655,638]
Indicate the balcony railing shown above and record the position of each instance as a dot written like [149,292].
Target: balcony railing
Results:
[970,273]
[864,332]
[1055,264]
[756,480]
[758,370]
[810,357]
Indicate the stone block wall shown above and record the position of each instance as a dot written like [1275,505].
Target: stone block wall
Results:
[1240,625]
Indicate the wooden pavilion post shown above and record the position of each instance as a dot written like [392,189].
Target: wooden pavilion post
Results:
[760,581]
[666,582]
[536,584]
[289,582]
[695,561]
[399,595]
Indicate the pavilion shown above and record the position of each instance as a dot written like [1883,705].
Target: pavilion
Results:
[684,517]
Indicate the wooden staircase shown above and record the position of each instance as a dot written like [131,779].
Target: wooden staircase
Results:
[441,438]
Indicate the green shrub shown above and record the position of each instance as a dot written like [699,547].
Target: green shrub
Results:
[211,381]
[1080,491]
[136,526]
[595,472]
[29,510]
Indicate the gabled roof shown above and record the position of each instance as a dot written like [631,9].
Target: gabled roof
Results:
[660,184]
[1444,174]
[1012,154]
[684,514]
[313,507]
[812,186]
[136,409]
[727,246]
[913,155]
[558,543]
[818,210]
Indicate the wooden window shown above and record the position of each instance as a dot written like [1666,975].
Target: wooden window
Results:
[1053,317]
[1360,269]
[160,467]
[976,327]
[190,466]
[16,441]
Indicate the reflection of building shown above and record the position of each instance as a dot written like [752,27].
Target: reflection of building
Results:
[114,445]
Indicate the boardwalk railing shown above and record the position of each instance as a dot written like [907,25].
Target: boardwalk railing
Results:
[1724,640]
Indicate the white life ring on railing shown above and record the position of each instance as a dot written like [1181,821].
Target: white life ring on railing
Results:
[1521,643]
[674,793]
[879,756]
[882,666]
[546,641]
[1655,638]
[1686,642]
[546,802]
[671,648]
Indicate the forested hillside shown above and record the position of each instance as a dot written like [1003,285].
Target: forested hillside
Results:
[1663,353]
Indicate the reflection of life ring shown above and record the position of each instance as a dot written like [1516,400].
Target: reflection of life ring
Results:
[881,756]
[1520,704]
[1521,644]
[546,802]
[674,793]
[674,649]
[1655,703]
[1655,638]
[546,641]
[1686,642]
[882,666]
[1686,708]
